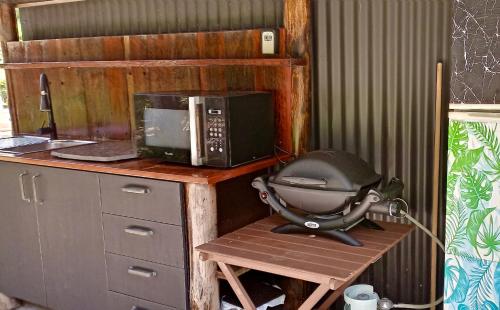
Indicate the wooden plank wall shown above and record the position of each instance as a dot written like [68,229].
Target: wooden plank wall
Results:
[95,103]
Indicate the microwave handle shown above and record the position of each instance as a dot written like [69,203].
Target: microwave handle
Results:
[196,129]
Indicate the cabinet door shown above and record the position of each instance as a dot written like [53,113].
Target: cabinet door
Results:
[72,239]
[21,274]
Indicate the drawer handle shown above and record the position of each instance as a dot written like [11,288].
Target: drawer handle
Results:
[139,231]
[21,185]
[138,308]
[141,272]
[135,189]
[34,181]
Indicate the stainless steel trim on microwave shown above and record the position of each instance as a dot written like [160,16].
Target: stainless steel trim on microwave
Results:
[195,129]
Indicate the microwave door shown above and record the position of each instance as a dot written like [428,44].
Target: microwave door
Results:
[196,112]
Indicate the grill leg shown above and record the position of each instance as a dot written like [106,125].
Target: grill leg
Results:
[371,224]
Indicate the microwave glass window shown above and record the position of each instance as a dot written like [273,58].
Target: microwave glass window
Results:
[167,128]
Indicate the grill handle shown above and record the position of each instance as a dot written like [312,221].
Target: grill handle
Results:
[304,181]
[267,196]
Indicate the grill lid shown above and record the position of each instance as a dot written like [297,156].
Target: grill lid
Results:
[330,170]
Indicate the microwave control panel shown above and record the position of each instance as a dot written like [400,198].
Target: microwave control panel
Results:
[216,133]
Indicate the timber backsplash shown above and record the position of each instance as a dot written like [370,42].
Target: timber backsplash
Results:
[95,103]
[476,46]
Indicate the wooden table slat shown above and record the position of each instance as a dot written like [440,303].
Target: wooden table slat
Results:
[286,253]
[243,258]
[273,258]
[303,240]
[369,243]
[305,248]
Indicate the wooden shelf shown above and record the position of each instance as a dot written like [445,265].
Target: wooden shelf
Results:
[273,62]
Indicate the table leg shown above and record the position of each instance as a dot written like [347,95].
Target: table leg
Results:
[336,295]
[237,287]
[315,297]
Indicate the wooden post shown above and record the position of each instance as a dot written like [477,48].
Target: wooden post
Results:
[301,109]
[8,27]
[201,218]
[435,176]
[297,20]
[8,32]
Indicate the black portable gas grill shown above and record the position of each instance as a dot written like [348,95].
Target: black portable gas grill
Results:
[328,192]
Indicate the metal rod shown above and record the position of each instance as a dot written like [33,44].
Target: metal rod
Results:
[436,174]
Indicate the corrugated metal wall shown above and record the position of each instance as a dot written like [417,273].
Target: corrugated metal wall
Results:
[122,17]
[374,88]
[374,77]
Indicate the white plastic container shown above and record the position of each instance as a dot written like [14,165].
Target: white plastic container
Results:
[360,297]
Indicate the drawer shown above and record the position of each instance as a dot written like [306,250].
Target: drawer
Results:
[157,283]
[122,302]
[160,243]
[142,198]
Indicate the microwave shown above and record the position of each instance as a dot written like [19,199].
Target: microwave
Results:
[205,128]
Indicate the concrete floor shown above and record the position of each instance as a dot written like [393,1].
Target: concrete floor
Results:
[7,303]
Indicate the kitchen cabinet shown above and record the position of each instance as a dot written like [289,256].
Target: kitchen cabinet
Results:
[21,273]
[71,237]
[144,240]
[106,236]
[51,239]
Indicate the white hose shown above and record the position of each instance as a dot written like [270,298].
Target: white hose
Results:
[427,231]
[427,306]
[439,243]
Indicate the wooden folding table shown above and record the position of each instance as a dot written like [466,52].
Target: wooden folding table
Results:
[329,263]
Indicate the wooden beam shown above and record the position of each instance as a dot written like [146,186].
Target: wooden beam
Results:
[436,175]
[335,295]
[237,287]
[301,109]
[297,20]
[297,24]
[273,62]
[237,270]
[315,297]
[8,26]
[201,218]
[43,3]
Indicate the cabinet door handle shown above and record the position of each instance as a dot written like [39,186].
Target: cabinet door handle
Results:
[141,272]
[139,231]
[22,187]
[136,189]
[138,308]
[35,188]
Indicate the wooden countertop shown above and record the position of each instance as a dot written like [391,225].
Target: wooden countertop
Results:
[145,168]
